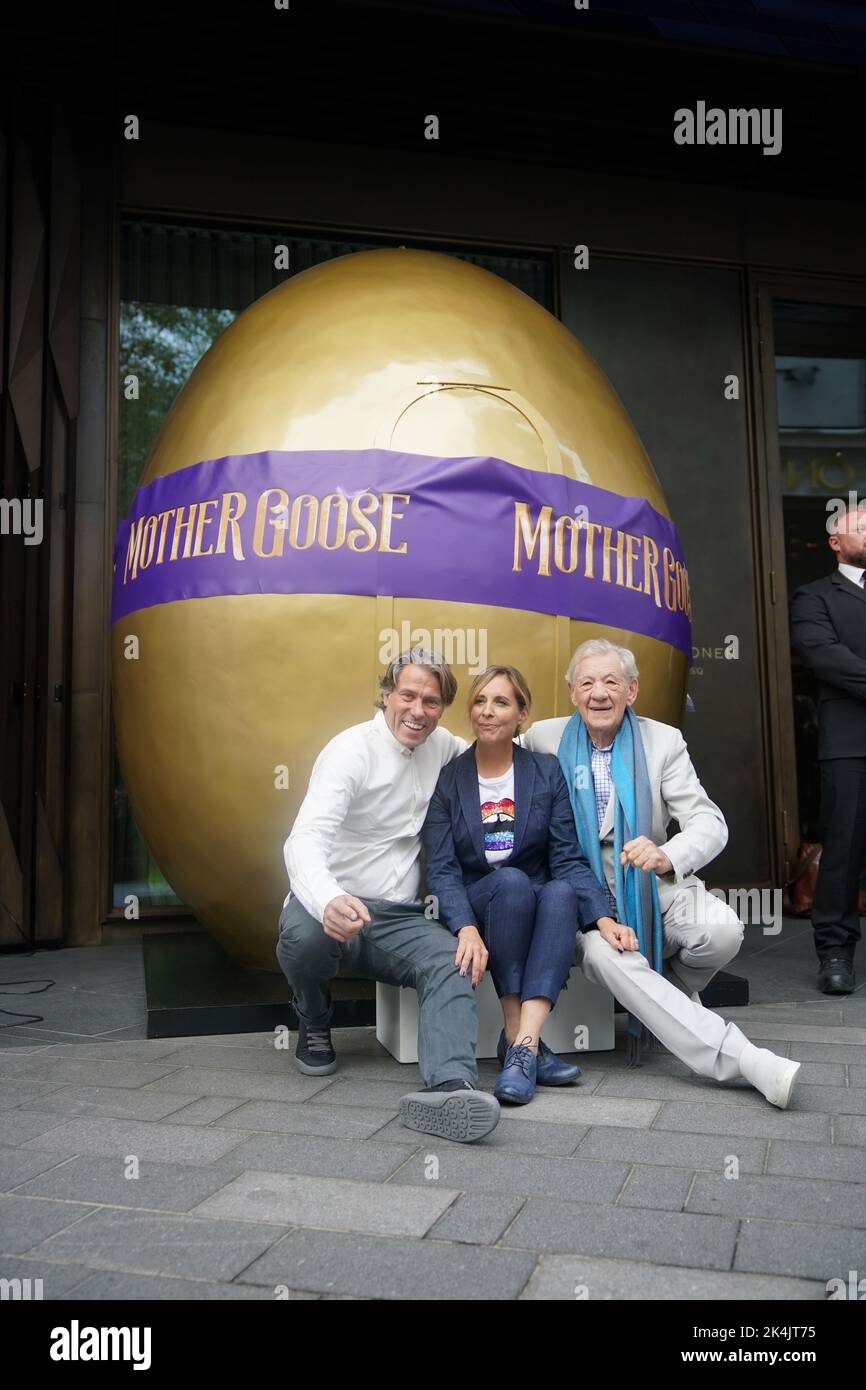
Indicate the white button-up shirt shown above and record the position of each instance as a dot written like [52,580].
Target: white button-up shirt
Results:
[854,573]
[358,829]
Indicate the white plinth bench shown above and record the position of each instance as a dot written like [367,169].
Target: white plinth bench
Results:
[581,1022]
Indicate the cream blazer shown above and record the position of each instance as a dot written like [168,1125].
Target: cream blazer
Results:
[677,795]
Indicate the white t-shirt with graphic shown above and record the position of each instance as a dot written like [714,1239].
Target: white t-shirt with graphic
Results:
[497,815]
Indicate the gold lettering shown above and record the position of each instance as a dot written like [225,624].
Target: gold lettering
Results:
[563,524]
[389,515]
[133,549]
[670,575]
[605,555]
[687,598]
[827,484]
[630,559]
[794,474]
[342,505]
[229,518]
[650,566]
[366,528]
[164,516]
[280,507]
[539,537]
[312,504]
[148,541]
[589,569]
[203,520]
[181,525]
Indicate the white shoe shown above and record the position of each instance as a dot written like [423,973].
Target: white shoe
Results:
[773,1076]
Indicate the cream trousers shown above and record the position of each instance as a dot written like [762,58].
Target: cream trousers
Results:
[701,934]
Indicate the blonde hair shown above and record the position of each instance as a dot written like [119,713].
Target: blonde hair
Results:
[521,690]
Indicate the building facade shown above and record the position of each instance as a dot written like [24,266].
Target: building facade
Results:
[728,312]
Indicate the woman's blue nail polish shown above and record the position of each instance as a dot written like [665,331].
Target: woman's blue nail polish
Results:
[462,973]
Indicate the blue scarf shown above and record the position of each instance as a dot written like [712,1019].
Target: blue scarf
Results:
[637,896]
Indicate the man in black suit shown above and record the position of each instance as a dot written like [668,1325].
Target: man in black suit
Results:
[828,633]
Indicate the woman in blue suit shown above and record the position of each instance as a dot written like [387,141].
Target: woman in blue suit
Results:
[512,882]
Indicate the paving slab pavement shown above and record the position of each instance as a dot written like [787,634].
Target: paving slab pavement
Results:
[208,1168]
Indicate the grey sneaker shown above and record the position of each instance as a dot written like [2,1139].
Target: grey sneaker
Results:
[456,1111]
[314,1054]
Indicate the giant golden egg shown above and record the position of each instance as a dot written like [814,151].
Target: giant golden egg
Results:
[224,689]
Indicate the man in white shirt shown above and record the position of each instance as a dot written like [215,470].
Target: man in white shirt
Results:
[352,860]
[700,933]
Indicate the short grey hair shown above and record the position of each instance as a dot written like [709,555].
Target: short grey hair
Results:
[599,646]
[419,656]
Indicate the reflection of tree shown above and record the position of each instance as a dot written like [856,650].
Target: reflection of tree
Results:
[160,344]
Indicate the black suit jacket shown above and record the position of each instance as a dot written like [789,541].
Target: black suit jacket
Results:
[545,840]
[828,633]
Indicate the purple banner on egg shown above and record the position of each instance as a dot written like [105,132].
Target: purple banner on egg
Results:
[372,521]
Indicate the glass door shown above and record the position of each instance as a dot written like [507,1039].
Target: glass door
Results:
[813,370]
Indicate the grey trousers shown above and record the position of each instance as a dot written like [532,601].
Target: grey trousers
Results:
[399,946]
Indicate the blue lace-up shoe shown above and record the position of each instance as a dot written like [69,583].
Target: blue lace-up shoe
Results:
[550,1069]
[516,1081]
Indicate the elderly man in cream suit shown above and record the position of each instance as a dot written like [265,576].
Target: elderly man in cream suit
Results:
[700,932]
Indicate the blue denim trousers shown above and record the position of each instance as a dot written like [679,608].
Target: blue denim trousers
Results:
[529,930]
